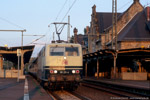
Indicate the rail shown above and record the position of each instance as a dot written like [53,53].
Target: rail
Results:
[122,91]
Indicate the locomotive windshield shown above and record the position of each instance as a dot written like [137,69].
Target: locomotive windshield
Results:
[64,51]
[71,51]
[57,51]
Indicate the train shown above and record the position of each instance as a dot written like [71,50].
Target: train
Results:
[58,66]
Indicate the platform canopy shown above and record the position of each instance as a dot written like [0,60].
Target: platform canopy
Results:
[124,58]
[135,52]
[10,53]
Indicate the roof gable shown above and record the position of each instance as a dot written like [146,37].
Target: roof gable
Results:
[104,20]
[136,29]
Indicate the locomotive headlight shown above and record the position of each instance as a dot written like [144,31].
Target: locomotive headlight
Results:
[73,71]
[55,71]
[65,58]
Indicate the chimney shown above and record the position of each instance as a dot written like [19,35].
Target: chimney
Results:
[87,29]
[148,13]
[94,9]
[136,1]
[75,30]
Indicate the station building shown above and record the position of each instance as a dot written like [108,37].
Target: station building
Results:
[131,60]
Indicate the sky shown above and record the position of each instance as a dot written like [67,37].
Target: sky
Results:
[36,15]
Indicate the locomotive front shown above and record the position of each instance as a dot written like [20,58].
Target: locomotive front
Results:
[63,65]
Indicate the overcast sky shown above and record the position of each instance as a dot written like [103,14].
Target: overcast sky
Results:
[36,15]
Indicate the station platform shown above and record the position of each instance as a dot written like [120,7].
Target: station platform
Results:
[25,89]
[144,85]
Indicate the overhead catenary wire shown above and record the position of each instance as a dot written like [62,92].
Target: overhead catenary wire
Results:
[61,9]
[70,7]
[41,36]
[68,10]
[67,14]
[37,39]
[39,45]
[11,23]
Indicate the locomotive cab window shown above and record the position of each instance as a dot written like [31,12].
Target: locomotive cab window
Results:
[57,51]
[71,51]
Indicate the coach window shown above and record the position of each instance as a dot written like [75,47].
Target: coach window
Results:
[71,51]
[57,51]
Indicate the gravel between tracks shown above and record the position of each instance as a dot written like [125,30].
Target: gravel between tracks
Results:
[94,94]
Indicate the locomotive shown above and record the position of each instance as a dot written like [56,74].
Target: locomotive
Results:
[58,65]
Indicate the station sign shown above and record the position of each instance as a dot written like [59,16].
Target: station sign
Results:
[18,52]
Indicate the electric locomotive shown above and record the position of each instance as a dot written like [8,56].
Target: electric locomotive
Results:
[59,65]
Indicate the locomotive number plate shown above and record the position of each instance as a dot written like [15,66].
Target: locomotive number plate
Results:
[64,72]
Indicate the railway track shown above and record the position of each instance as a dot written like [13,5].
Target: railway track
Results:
[66,95]
[63,94]
[119,92]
